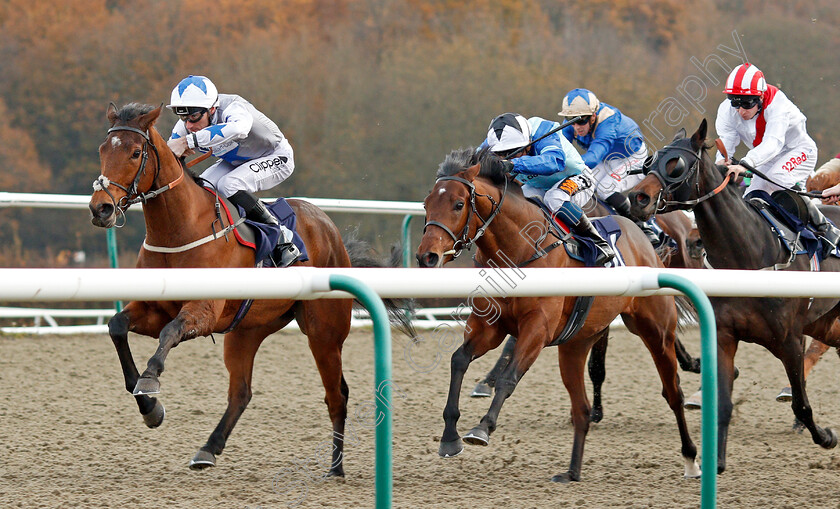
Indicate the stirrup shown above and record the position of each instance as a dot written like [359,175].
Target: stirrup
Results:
[285,254]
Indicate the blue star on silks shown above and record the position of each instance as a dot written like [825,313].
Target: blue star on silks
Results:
[216,130]
[191,80]
[232,156]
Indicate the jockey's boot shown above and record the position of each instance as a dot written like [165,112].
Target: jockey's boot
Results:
[285,254]
[255,210]
[621,204]
[584,228]
[828,233]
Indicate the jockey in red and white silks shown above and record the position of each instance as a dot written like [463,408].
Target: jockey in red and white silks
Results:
[770,125]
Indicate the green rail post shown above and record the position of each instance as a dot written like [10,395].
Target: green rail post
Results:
[111,235]
[382,372]
[708,377]
[406,241]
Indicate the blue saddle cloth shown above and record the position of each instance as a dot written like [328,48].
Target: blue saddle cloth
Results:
[808,242]
[266,235]
[588,253]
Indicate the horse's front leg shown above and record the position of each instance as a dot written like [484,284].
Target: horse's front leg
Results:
[196,318]
[483,389]
[598,373]
[138,317]
[530,342]
[727,346]
[479,337]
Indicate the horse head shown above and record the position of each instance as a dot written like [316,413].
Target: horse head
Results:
[452,205]
[672,181]
[129,161]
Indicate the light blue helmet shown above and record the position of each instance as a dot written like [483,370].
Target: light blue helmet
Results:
[580,102]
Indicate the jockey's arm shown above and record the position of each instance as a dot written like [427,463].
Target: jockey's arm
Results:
[599,149]
[548,162]
[236,125]
[772,143]
[726,131]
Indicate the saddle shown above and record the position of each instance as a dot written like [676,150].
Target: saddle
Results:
[261,237]
[785,219]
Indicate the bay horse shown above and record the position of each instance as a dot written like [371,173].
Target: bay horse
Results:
[137,166]
[472,193]
[735,236]
[679,227]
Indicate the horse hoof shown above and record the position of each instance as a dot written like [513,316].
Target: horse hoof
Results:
[565,478]
[202,459]
[154,418]
[596,414]
[784,395]
[832,439]
[482,390]
[477,436]
[147,385]
[337,473]
[451,449]
[695,401]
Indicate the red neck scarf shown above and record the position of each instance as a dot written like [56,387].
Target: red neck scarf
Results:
[760,123]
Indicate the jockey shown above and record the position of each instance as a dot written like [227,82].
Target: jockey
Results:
[614,146]
[550,169]
[772,127]
[253,154]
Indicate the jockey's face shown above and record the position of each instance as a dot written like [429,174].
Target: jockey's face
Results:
[201,123]
[584,128]
[748,113]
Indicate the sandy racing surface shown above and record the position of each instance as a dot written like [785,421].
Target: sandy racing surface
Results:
[71,435]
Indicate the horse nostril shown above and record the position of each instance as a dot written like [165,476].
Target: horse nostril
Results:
[102,210]
[427,259]
[642,199]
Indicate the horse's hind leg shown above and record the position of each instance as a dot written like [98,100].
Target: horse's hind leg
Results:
[326,335]
[812,356]
[240,348]
[571,359]
[658,335]
[483,389]
[480,338]
[598,373]
[687,362]
[151,409]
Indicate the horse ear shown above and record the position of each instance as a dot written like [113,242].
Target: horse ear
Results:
[148,120]
[699,137]
[680,134]
[111,114]
[472,172]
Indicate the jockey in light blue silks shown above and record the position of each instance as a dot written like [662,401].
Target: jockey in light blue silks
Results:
[550,169]
[613,145]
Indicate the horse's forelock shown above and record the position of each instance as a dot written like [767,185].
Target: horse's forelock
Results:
[131,111]
[456,162]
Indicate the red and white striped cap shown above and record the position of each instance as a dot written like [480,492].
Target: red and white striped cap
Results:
[746,79]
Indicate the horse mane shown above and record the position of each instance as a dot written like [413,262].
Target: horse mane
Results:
[131,111]
[460,159]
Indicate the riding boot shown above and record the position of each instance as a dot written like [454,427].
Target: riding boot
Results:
[255,210]
[621,204]
[829,233]
[584,228]
[285,254]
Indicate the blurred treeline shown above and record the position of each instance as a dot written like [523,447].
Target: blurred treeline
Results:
[371,93]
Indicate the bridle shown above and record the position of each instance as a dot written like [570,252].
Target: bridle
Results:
[132,194]
[463,240]
[677,184]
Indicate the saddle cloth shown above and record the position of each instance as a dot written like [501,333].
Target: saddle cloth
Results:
[796,236]
[584,250]
[263,237]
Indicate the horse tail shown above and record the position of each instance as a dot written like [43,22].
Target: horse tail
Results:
[362,255]
[686,314]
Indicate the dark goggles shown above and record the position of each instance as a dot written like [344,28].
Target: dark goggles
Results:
[744,101]
[583,120]
[190,113]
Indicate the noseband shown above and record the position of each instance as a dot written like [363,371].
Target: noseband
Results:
[678,187]
[102,182]
[463,240]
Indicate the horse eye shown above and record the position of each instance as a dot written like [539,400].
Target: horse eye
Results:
[459,205]
[136,154]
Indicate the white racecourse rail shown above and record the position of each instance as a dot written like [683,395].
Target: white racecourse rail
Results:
[46,285]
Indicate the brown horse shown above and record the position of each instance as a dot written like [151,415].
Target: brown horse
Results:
[473,194]
[137,166]
[735,236]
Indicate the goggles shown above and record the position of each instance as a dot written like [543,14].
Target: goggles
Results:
[583,120]
[744,101]
[190,113]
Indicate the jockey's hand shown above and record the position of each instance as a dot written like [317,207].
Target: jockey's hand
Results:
[831,195]
[737,171]
[723,162]
[179,147]
[508,166]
